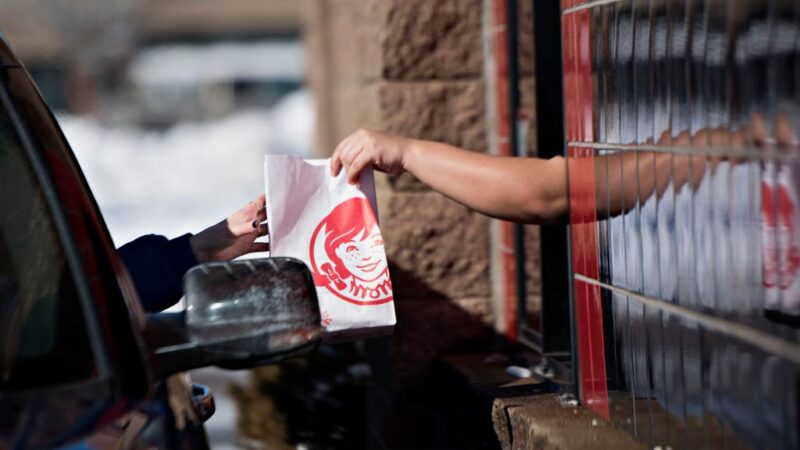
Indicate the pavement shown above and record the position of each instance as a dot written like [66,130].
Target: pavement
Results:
[221,427]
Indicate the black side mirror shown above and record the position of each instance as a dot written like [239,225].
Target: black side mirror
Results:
[239,315]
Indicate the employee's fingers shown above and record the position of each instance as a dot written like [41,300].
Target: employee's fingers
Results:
[350,155]
[263,229]
[336,158]
[336,164]
[359,163]
[262,215]
[345,152]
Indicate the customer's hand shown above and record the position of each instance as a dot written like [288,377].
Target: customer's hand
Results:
[386,153]
[234,236]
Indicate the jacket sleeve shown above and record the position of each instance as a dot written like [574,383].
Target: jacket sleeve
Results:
[157,266]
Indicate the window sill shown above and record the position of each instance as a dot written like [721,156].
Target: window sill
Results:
[525,412]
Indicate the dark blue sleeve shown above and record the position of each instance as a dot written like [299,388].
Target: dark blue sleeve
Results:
[157,266]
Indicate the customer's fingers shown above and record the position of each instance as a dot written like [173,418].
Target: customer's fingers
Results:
[261,201]
[259,247]
[241,227]
[254,206]
[263,229]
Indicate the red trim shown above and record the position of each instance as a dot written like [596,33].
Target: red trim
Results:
[502,129]
[583,216]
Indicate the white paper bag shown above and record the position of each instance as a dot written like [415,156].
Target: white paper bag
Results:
[332,226]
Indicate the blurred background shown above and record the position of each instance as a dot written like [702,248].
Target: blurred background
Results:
[170,106]
[169,100]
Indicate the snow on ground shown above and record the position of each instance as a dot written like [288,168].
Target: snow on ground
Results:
[190,176]
[221,427]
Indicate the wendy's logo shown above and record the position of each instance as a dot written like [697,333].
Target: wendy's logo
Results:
[347,255]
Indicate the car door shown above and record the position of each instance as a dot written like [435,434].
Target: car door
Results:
[54,374]
[73,366]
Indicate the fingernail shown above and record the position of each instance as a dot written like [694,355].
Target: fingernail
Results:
[255,224]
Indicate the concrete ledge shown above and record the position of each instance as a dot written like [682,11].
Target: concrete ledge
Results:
[541,422]
[525,413]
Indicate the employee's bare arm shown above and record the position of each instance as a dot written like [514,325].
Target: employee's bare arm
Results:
[527,190]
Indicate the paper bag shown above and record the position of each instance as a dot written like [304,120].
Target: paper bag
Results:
[332,226]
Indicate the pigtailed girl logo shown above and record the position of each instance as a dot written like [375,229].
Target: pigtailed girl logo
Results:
[347,255]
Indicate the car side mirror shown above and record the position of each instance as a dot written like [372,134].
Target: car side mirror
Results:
[239,314]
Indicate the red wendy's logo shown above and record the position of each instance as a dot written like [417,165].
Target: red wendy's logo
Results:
[347,255]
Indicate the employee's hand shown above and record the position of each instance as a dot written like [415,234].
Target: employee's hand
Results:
[386,153]
[234,236]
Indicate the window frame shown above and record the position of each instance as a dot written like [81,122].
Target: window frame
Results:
[111,294]
[555,339]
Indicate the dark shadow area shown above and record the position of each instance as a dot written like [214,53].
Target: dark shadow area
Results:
[428,386]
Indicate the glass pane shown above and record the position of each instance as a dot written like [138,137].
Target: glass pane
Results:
[43,338]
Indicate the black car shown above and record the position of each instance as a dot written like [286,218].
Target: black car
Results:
[81,364]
